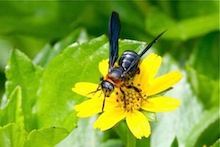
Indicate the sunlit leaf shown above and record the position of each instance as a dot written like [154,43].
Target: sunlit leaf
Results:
[21,72]
[12,135]
[49,51]
[12,111]
[83,135]
[45,137]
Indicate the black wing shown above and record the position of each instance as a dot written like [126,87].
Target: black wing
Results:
[134,62]
[114,30]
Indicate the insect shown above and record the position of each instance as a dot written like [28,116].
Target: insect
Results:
[127,64]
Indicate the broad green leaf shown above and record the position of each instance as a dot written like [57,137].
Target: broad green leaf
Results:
[12,135]
[183,29]
[84,135]
[202,70]
[49,51]
[79,62]
[56,99]
[208,125]
[12,111]
[47,137]
[186,29]
[21,72]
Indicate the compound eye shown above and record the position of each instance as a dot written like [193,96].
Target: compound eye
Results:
[107,88]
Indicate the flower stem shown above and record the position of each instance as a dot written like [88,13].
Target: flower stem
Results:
[131,140]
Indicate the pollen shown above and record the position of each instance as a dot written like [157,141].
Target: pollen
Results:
[129,98]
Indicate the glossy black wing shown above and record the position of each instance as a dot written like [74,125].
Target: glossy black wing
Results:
[134,62]
[114,30]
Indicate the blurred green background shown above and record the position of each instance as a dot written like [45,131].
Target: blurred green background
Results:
[192,37]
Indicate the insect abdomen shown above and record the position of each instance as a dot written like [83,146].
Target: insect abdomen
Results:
[126,60]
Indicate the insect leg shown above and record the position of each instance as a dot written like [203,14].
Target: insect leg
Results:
[123,93]
[103,103]
[136,89]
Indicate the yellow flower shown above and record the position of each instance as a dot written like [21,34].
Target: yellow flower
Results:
[141,95]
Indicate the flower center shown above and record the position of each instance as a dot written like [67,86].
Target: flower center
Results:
[129,98]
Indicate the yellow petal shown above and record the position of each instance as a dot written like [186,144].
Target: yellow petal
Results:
[103,67]
[109,118]
[138,124]
[161,104]
[111,102]
[89,107]
[164,82]
[148,70]
[86,89]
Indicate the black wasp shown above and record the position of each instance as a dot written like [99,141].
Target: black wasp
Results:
[128,62]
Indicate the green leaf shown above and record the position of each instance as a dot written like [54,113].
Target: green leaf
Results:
[74,64]
[12,135]
[12,111]
[175,143]
[83,135]
[202,70]
[122,130]
[20,71]
[47,137]
[204,57]
[181,30]
[49,51]
[56,99]
[112,143]
[5,46]
[207,125]
[196,8]
[186,29]
[144,142]
[216,144]
[151,116]
[77,63]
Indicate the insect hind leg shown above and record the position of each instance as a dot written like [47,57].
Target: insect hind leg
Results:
[131,86]
[123,94]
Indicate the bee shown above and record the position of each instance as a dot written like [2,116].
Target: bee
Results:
[128,63]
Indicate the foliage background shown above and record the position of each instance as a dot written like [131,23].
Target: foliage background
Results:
[37,101]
